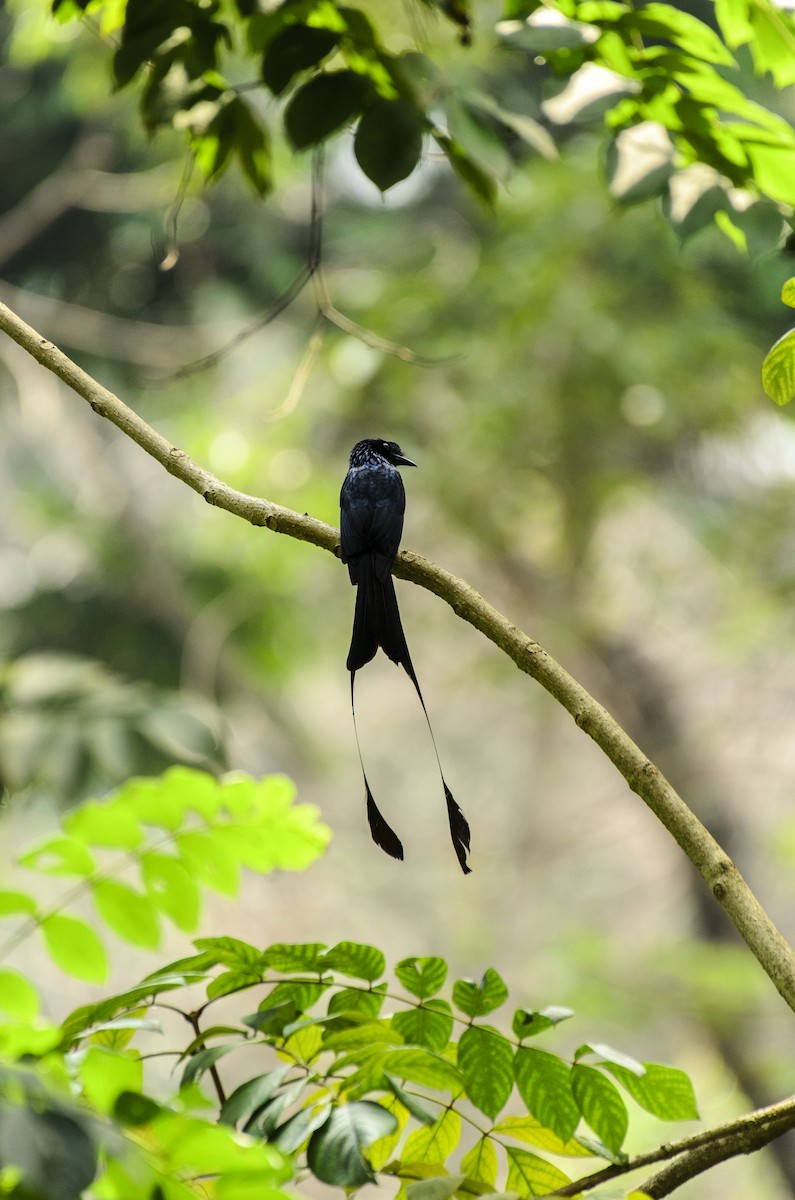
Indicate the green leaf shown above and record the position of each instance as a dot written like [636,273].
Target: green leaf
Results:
[639,162]
[477,131]
[209,861]
[288,957]
[410,1103]
[302,995]
[53,1153]
[544,1084]
[171,889]
[201,1062]
[290,1136]
[348,1000]
[364,1033]
[529,1175]
[133,1108]
[546,30]
[60,856]
[423,977]
[666,1092]
[480,1163]
[601,1105]
[127,912]
[110,824]
[609,1055]
[335,1153]
[322,106]
[75,948]
[295,49]
[486,1059]
[527,1024]
[231,981]
[787,296]
[477,180]
[440,1187]
[252,144]
[733,18]
[388,141]
[18,997]
[429,1024]
[478,999]
[778,370]
[163,802]
[352,958]
[772,165]
[671,24]
[105,1074]
[12,903]
[435,1143]
[232,952]
[423,1066]
[382,1150]
[530,1130]
[251,1096]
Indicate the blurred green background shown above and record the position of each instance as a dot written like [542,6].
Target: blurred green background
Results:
[596,457]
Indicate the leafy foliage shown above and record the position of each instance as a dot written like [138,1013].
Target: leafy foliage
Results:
[173,835]
[653,68]
[352,1079]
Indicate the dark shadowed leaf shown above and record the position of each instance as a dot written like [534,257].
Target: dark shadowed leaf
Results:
[54,1154]
[322,106]
[335,1153]
[388,141]
[203,1060]
[295,49]
[251,1096]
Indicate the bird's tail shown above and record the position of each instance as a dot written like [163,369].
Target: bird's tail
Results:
[376,620]
[377,623]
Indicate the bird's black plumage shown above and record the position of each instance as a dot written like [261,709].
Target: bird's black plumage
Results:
[372,504]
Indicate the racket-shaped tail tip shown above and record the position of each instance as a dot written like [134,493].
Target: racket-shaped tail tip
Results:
[459,830]
[382,834]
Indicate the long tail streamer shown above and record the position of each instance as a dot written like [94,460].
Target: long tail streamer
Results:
[382,833]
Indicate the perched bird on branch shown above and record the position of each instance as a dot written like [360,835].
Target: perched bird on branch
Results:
[372,504]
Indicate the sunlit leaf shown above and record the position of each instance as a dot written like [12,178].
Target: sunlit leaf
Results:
[666,1092]
[529,1175]
[478,999]
[423,977]
[434,1143]
[127,912]
[75,948]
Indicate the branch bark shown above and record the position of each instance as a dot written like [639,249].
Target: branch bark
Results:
[727,885]
[696,1153]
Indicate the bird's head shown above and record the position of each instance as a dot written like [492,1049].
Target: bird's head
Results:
[370,448]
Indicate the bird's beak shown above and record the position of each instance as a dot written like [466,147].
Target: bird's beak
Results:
[401,461]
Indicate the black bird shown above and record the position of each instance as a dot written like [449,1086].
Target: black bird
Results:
[372,504]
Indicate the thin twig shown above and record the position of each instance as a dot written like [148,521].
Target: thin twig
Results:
[727,885]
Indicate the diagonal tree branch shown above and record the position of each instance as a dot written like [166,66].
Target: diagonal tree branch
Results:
[723,878]
[695,1153]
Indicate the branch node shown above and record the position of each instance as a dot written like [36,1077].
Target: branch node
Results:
[719,884]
